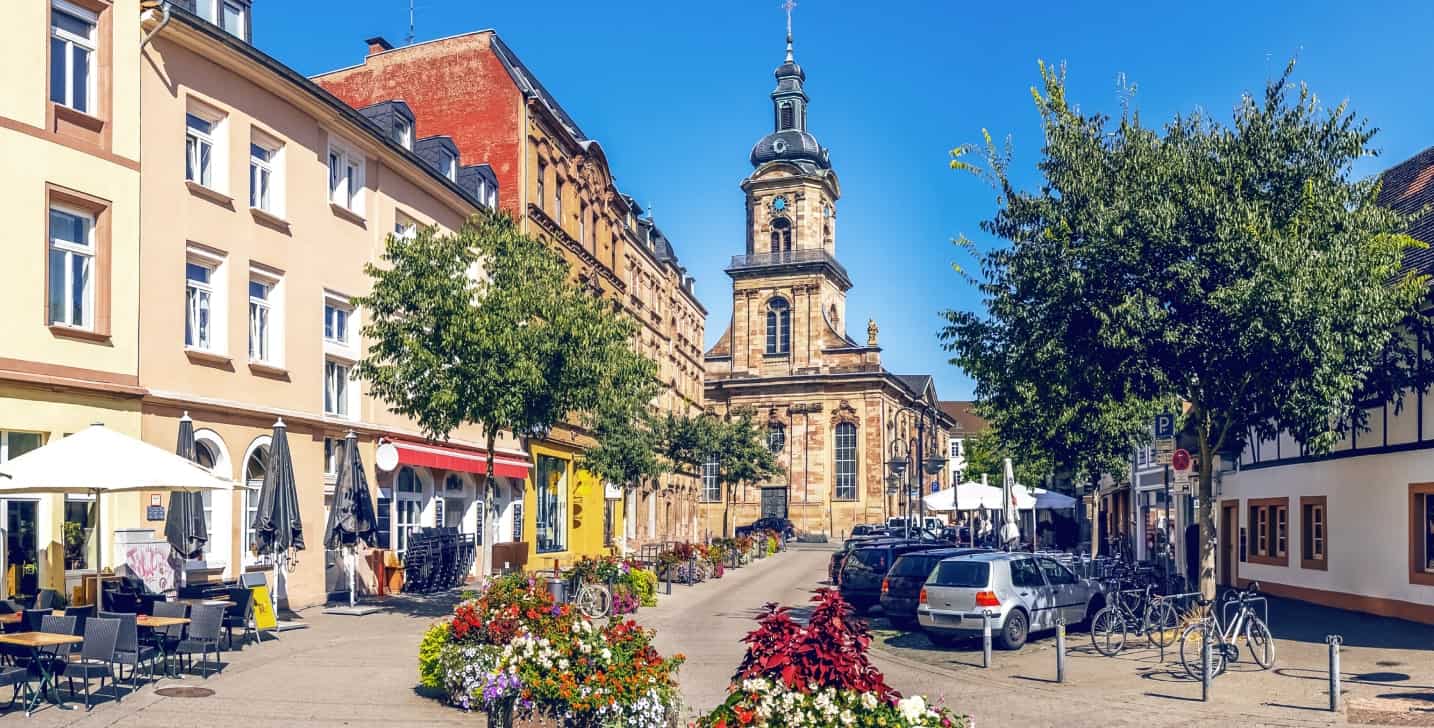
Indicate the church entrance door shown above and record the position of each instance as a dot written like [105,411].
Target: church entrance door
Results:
[774,502]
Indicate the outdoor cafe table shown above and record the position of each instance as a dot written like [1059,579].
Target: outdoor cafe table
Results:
[207,602]
[15,617]
[36,641]
[146,621]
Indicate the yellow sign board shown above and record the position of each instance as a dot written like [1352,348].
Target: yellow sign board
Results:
[263,609]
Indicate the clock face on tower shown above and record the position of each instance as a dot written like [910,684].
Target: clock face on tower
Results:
[779,204]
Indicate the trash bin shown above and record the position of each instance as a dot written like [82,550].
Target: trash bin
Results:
[559,589]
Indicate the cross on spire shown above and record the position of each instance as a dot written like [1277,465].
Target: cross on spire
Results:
[789,6]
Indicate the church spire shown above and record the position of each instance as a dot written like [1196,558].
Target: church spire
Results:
[789,5]
[789,138]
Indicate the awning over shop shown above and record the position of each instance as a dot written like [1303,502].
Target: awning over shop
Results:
[442,457]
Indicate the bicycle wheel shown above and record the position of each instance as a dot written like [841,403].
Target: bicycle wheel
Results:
[1191,641]
[1261,642]
[1107,631]
[594,601]
[1162,624]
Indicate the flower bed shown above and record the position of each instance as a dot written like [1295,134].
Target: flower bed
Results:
[514,653]
[817,674]
[632,585]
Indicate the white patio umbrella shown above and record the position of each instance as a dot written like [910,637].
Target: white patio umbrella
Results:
[100,460]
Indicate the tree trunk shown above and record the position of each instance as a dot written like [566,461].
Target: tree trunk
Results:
[486,501]
[1208,538]
[727,510]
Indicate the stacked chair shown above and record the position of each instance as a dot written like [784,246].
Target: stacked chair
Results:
[437,559]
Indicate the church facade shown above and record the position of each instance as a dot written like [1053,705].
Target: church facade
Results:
[834,415]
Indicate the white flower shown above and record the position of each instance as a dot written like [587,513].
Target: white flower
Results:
[912,708]
[868,701]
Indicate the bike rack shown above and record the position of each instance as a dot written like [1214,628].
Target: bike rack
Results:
[1264,610]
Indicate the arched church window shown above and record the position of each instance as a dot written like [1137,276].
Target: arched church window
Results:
[781,235]
[788,117]
[779,326]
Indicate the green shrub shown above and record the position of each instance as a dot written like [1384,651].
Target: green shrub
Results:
[430,653]
[644,586]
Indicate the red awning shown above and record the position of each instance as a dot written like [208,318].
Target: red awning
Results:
[444,457]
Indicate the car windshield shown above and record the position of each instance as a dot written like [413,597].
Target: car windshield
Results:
[971,574]
[918,567]
[872,559]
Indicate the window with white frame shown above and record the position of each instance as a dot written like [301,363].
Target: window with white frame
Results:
[409,496]
[404,226]
[72,56]
[203,301]
[231,18]
[447,164]
[203,153]
[346,176]
[72,268]
[402,132]
[14,444]
[711,486]
[254,468]
[333,450]
[266,324]
[266,175]
[336,388]
[337,314]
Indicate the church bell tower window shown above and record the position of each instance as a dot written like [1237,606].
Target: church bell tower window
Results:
[781,236]
[779,326]
[788,119]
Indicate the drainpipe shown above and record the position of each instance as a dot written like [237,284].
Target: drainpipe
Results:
[163,21]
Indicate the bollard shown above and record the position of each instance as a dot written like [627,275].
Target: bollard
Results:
[1205,665]
[1334,641]
[1060,649]
[986,638]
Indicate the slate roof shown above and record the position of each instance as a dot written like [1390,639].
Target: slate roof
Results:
[1408,188]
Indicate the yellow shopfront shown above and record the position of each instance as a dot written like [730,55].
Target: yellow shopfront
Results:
[570,514]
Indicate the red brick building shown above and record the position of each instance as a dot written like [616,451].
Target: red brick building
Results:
[555,180]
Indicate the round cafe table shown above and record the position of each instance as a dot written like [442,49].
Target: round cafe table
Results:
[35,642]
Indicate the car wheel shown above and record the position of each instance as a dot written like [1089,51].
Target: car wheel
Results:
[1014,631]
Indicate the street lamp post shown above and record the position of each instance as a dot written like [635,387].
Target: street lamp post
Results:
[915,467]
[898,465]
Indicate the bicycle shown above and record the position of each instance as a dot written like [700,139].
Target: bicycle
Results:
[594,600]
[1152,614]
[1224,646]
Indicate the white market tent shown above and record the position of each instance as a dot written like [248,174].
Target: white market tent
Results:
[100,460]
[1045,499]
[974,496]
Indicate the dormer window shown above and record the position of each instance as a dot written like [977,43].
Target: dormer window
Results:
[402,132]
[448,165]
[227,14]
[788,116]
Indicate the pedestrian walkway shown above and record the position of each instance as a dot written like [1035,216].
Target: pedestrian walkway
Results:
[341,671]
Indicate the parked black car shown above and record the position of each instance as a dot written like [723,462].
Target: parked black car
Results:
[869,529]
[834,568]
[865,567]
[780,525]
[901,589]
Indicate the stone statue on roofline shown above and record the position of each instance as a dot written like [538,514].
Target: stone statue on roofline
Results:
[871,331]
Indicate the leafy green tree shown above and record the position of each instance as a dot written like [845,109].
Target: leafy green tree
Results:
[484,326]
[1239,269]
[986,453]
[743,457]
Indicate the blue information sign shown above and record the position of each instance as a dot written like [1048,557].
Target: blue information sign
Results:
[154,513]
[1164,426]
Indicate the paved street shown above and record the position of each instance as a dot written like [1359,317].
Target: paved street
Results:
[706,621]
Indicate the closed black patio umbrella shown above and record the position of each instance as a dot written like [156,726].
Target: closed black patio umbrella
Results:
[351,516]
[184,526]
[278,529]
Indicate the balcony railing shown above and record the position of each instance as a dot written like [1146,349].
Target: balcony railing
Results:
[765,260]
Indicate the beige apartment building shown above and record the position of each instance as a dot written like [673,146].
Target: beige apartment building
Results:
[69,153]
[264,197]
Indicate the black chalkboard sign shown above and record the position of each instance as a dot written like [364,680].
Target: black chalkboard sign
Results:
[154,513]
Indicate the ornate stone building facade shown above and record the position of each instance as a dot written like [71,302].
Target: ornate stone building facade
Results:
[556,181]
[832,411]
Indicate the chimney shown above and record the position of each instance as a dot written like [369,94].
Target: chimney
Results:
[377,44]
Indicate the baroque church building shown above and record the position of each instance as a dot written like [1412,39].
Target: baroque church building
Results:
[834,415]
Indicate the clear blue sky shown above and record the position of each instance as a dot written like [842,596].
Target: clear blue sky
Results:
[677,94]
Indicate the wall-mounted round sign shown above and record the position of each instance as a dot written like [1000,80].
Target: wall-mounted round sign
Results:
[386,457]
[1180,460]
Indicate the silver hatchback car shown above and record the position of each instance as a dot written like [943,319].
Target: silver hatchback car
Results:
[1024,593]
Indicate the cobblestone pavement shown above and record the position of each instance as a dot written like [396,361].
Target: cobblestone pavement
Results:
[1388,666]
[340,671]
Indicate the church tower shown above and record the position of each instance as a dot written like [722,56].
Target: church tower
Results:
[789,290]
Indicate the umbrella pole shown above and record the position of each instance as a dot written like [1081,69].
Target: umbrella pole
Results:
[278,557]
[351,575]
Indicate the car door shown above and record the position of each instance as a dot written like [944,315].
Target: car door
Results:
[1031,591]
[1067,596]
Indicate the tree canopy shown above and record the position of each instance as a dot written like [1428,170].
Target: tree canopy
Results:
[485,326]
[1240,271]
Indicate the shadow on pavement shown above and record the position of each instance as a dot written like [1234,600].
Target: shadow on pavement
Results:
[1360,678]
[1305,622]
[428,606]
[1184,698]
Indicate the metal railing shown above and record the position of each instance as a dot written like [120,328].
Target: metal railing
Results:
[809,255]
